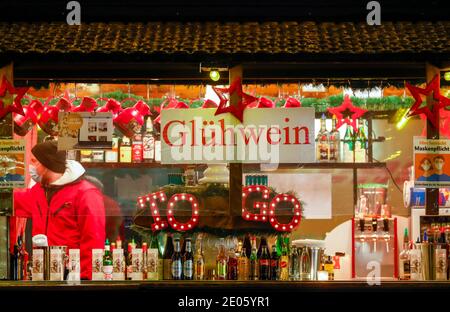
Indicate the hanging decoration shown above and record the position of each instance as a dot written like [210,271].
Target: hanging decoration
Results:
[10,98]
[292,102]
[244,100]
[24,123]
[131,119]
[431,109]
[263,102]
[87,104]
[209,104]
[111,105]
[172,103]
[347,106]
[48,120]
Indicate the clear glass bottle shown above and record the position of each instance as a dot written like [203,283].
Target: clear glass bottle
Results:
[405,259]
[305,264]
[294,264]
[348,145]
[199,263]
[222,261]
[148,141]
[335,142]
[323,141]
[361,143]
[243,263]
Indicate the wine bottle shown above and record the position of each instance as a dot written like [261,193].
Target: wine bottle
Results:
[107,262]
[188,261]
[167,258]
[177,261]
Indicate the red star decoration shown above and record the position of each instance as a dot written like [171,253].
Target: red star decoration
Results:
[9,103]
[347,106]
[244,100]
[430,110]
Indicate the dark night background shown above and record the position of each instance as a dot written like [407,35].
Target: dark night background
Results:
[229,10]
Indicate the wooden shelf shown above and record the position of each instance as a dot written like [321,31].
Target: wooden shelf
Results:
[103,165]
[325,165]
[247,167]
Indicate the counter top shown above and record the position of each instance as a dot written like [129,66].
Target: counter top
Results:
[226,285]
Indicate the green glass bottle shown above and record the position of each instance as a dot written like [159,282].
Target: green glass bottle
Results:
[107,262]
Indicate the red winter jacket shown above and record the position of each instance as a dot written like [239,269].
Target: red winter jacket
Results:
[74,217]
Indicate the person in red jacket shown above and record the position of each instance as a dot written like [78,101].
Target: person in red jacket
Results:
[62,205]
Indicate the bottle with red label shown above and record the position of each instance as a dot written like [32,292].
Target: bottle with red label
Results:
[137,148]
[274,264]
[232,265]
[264,263]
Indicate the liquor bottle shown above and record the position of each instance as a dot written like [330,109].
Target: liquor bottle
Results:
[243,263]
[199,263]
[294,264]
[405,259]
[136,148]
[20,257]
[167,258]
[144,260]
[188,261]
[329,267]
[156,257]
[416,263]
[254,261]
[221,261]
[118,261]
[128,261]
[149,142]
[157,147]
[107,262]
[232,265]
[323,141]
[247,246]
[305,264]
[348,145]
[274,264]
[14,263]
[264,264]
[335,142]
[361,143]
[284,263]
[177,261]
[262,244]
[125,150]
